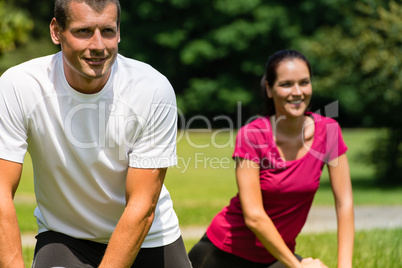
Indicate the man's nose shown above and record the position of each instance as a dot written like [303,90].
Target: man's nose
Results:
[97,42]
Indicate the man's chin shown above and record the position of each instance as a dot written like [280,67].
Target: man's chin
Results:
[96,74]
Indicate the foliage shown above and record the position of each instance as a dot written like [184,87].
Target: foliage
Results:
[40,11]
[386,157]
[362,65]
[360,61]
[214,51]
[15,26]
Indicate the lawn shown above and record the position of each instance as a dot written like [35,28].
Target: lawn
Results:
[372,249]
[203,182]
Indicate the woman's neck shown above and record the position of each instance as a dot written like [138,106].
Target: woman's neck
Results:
[287,126]
[293,136]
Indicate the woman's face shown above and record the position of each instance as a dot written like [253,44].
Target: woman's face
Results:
[292,89]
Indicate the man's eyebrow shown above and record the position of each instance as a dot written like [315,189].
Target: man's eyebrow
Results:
[114,26]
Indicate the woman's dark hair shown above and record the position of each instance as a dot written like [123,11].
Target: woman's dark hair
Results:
[62,9]
[270,74]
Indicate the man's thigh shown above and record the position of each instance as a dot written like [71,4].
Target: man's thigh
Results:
[170,256]
[58,250]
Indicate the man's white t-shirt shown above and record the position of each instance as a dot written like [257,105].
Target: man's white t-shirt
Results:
[81,145]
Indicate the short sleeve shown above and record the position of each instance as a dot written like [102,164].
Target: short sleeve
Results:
[335,144]
[330,143]
[13,133]
[156,145]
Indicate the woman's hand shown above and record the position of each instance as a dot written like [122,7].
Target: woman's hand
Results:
[311,263]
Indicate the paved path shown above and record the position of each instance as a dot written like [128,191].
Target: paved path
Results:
[323,219]
[320,219]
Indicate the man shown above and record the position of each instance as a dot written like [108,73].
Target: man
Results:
[101,130]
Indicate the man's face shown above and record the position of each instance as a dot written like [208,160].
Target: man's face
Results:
[89,44]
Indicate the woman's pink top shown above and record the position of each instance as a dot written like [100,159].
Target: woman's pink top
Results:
[288,187]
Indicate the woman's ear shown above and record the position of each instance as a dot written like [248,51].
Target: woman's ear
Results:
[55,31]
[268,90]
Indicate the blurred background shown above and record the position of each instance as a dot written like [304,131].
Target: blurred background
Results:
[214,53]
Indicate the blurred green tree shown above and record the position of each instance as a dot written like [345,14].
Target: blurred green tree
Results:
[214,51]
[15,25]
[361,63]
[40,11]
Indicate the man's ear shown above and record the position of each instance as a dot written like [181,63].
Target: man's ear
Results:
[55,31]
[268,90]
[118,32]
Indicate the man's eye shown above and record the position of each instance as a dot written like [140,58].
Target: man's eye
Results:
[305,83]
[109,33]
[83,31]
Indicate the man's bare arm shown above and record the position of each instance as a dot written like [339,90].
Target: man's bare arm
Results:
[143,187]
[10,236]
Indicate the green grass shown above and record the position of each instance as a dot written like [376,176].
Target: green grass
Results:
[26,187]
[203,182]
[373,249]
[365,190]
[24,200]
[28,253]
[26,219]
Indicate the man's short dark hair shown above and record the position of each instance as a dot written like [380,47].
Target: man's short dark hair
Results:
[62,9]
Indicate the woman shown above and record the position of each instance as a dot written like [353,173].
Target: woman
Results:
[279,160]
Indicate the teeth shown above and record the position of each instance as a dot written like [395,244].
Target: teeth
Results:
[296,102]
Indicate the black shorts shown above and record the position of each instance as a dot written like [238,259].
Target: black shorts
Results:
[58,250]
[206,255]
